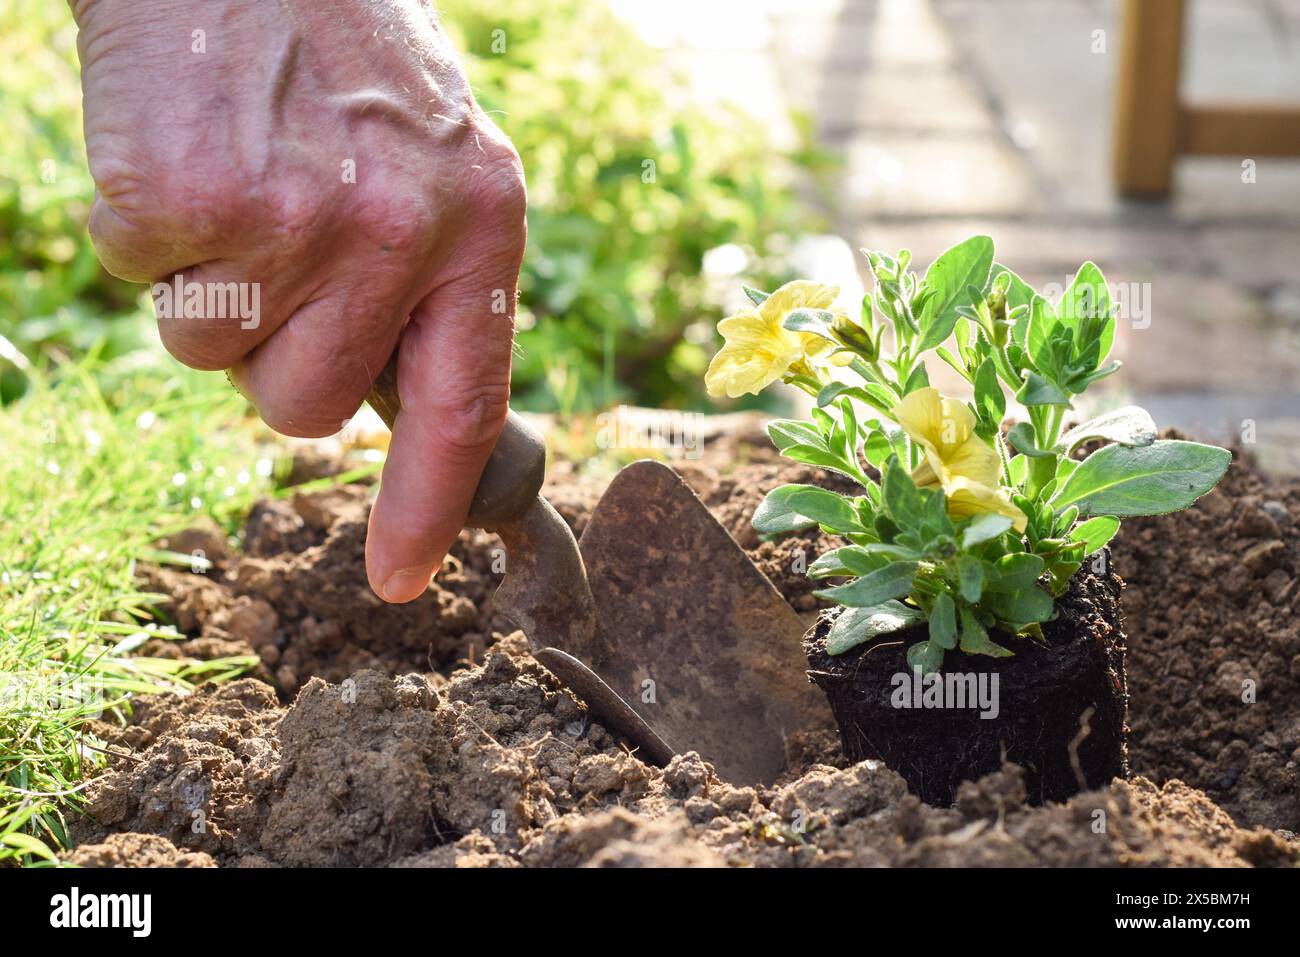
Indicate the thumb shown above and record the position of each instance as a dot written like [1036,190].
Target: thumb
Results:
[453,377]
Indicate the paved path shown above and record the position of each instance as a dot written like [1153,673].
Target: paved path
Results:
[963,116]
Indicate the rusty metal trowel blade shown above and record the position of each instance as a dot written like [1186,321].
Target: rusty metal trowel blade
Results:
[690,633]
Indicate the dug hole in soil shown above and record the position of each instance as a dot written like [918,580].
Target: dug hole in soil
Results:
[426,735]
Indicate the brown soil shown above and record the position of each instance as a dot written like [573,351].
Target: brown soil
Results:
[497,767]
[1213,618]
[425,735]
[130,849]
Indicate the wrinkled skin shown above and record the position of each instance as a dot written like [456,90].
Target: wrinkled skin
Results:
[225,155]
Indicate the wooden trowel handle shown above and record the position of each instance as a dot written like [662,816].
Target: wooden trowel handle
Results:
[513,475]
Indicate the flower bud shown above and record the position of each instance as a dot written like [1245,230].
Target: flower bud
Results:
[1001,332]
[997,302]
[853,336]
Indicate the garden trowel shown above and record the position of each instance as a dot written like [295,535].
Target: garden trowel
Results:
[659,621]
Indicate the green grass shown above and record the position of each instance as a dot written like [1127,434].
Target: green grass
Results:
[96,462]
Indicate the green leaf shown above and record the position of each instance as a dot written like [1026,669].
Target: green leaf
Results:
[943,621]
[1018,570]
[775,515]
[830,565]
[1019,292]
[903,500]
[31,845]
[1131,425]
[885,400]
[918,379]
[785,433]
[1017,470]
[1162,477]
[983,527]
[970,573]
[790,508]
[925,655]
[889,550]
[885,527]
[1109,369]
[826,508]
[966,264]
[813,455]
[1086,296]
[892,581]
[818,322]
[835,390]
[849,420]
[961,336]
[1064,520]
[975,640]
[1021,436]
[847,561]
[989,400]
[1022,606]
[1039,391]
[873,497]
[856,625]
[953,361]
[899,442]
[755,296]
[934,512]
[877,448]
[1095,533]
[1043,322]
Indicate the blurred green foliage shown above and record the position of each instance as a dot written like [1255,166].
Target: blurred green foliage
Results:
[53,292]
[630,183]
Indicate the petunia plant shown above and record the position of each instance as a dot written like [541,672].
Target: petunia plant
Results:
[963,520]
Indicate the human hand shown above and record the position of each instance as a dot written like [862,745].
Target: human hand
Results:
[328,160]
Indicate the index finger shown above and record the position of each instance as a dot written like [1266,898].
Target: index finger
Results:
[453,376]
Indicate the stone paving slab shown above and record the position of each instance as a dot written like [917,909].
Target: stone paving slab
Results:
[1239,50]
[895,100]
[1256,257]
[1211,188]
[900,174]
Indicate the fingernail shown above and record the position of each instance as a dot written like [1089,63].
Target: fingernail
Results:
[407,584]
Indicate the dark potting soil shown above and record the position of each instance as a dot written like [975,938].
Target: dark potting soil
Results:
[1055,708]
[421,773]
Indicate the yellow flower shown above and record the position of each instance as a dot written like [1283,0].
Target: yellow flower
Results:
[956,459]
[759,350]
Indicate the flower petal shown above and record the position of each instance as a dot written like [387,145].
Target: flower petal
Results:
[924,475]
[797,294]
[971,498]
[973,460]
[736,371]
[920,413]
[958,422]
[746,326]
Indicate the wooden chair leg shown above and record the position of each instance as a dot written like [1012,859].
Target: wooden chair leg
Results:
[1147,106]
